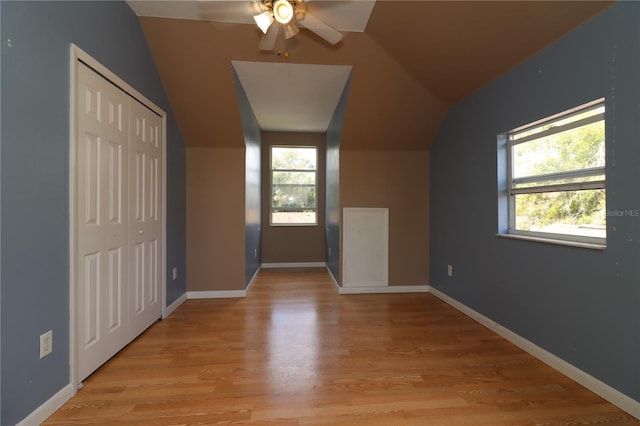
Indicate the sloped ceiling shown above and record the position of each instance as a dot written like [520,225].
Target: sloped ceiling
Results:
[414,60]
[303,99]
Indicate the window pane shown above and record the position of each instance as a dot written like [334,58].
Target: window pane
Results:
[570,212]
[293,185]
[294,197]
[574,149]
[297,178]
[293,158]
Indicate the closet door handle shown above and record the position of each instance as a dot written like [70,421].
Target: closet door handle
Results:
[140,232]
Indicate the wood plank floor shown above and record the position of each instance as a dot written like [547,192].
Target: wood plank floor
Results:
[294,352]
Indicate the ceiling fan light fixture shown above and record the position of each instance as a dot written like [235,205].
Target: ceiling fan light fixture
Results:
[290,30]
[263,21]
[283,11]
[280,20]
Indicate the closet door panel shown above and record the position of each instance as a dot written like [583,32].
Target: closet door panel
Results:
[145,235]
[100,227]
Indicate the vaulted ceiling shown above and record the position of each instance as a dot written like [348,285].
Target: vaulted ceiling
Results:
[414,60]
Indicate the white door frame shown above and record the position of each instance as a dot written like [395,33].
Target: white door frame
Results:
[77,55]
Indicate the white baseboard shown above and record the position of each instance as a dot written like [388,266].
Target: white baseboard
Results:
[596,386]
[295,265]
[40,414]
[216,294]
[384,289]
[172,307]
[221,294]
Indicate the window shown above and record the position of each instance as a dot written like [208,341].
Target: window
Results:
[293,185]
[556,170]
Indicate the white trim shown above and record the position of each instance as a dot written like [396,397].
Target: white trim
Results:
[221,294]
[81,55]
[53,404]
[216,294]
[72,219]
[386,289]
[163,255]
[295,265]
[169,309]
[570,243]
[564,114]
[77,55]
[271,170]
[596,386]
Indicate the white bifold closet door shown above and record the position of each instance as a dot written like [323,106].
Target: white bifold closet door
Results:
[118,219]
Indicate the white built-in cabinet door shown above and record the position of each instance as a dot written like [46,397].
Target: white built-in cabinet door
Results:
[365,245]
[118,224]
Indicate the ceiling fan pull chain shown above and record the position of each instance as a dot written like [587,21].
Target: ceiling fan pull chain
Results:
[282,45]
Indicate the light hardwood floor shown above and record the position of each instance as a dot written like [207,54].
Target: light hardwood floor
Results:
[294,352]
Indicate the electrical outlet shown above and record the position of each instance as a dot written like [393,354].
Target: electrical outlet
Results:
[175,273]
[450,270]
[46,343]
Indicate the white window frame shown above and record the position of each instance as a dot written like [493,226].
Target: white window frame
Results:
[271,170]
[553,187]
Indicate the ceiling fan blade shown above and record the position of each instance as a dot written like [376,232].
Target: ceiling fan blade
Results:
[322,29]
[223,11]
[268,41]
[257,7]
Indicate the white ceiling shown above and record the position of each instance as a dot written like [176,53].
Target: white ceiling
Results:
[300,98]
[304,97]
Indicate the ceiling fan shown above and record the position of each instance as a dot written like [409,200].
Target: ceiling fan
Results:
[279,21]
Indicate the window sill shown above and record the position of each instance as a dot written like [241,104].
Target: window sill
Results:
[591,246]
[279,225]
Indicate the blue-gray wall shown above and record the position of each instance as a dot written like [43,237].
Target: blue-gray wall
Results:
[581,305]
[332,206]
[36,38]
[253,144]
